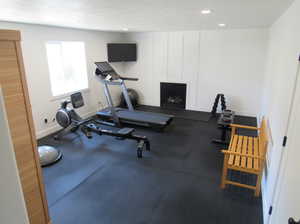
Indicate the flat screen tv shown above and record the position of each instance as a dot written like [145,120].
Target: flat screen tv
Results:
[118,52]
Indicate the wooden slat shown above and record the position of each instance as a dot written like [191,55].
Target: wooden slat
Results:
[10,35]
[7,50]
[238,149]
[241,154]
[244,151]
[255,152]
[233,148]
[244,126]
[246,170]
[263,138]
[250,152]
[38,217]
[240,185]
[231,142]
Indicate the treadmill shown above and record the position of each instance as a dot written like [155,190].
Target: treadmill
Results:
[108,76]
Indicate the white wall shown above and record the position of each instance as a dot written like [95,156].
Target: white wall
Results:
[12,204]
[283,54]
[210,62]
[34,38]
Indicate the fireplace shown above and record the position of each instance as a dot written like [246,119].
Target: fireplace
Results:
[172,95]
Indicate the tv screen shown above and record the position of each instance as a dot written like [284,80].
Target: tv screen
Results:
[121,52]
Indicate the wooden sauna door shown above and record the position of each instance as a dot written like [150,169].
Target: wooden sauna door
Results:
[19,118]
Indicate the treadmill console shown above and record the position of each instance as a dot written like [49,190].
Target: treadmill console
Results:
[104,69]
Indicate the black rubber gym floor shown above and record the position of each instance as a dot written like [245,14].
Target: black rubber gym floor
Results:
[100,180]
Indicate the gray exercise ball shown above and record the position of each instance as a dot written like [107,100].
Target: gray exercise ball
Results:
[133,96]
[49,155]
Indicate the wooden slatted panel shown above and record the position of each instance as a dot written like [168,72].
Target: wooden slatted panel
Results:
[263,138]
[250,152]
[238,149]
[42,213]
[10,80]
[244,151]
[10,35]
[256,153]
[233,149]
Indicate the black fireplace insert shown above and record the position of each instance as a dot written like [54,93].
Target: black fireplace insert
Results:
[172,95]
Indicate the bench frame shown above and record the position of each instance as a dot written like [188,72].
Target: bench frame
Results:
[260,157]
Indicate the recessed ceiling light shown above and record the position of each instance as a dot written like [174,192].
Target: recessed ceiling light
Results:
[206,11]
[222,24]
[125,29]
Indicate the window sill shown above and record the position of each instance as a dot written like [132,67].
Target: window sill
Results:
[66,95]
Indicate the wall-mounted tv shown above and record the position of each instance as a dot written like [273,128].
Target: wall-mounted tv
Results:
[118,52]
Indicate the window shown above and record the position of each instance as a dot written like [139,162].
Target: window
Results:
[67,67]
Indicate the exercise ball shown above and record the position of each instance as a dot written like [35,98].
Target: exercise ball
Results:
[48,155]
[133,96]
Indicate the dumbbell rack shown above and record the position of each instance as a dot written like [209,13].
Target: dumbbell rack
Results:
[226,118]
[216,103]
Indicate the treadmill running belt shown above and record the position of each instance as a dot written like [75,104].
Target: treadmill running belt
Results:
[144,117]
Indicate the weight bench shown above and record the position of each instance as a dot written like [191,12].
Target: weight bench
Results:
[246,154]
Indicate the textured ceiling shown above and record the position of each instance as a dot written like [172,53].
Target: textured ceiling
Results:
[144,15]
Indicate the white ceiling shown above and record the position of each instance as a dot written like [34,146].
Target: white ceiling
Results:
[144,15]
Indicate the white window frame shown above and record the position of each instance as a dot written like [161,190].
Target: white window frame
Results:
[66,94]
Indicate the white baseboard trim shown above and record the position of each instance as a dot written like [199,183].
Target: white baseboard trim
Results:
[246,114]
[47,131]
[201,109]
[238,113]
[50,130]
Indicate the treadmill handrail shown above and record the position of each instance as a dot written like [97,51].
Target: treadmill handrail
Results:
[106,74]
